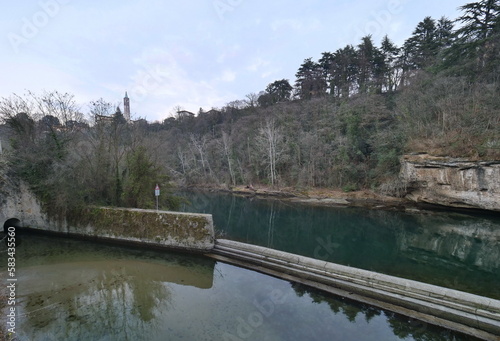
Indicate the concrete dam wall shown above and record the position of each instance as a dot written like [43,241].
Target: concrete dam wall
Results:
[162,229]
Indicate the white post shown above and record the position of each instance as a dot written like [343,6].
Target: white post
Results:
[157,194]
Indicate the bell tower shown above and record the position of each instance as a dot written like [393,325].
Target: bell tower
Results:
[126,107]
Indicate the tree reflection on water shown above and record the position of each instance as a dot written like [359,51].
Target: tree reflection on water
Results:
[402,326]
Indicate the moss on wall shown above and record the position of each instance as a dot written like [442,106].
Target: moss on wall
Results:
[156,227]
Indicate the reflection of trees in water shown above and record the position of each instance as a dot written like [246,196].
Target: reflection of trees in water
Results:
[449,249]
[270,225]
[403,327]
[111,303]
[349,309]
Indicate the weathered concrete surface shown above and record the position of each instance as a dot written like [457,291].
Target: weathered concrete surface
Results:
[452,182]
[175,230]
[464,312]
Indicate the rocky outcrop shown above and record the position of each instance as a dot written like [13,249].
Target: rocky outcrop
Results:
[458,183]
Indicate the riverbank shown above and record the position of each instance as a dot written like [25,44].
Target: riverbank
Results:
[323,197]
[339,198]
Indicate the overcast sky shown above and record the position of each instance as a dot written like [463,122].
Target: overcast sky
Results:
[192,53]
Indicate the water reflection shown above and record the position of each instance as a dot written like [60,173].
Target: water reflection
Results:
[71,290]
[401,327]
[80,294]
[449,249]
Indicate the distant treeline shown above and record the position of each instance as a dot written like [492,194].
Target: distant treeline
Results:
[344,123]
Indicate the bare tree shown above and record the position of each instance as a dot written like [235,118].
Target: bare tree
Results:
[270,141]
[17,112]
[14,105]
[59,105]
[252,99]
[183,160]
[227,149]
[99,108]
[199,144]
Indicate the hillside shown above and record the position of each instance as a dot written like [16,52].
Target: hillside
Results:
[344,124]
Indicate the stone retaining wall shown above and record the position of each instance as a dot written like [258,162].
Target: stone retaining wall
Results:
[173,230]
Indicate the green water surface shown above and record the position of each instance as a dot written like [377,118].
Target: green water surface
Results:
[455,250]
[79,290]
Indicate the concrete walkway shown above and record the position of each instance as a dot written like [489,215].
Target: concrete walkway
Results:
[467,313]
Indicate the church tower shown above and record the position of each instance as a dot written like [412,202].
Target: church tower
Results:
[126,107]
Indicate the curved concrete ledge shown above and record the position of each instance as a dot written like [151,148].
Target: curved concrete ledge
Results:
[467,313]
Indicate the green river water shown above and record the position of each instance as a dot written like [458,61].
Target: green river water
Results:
[455,250]
[80,290]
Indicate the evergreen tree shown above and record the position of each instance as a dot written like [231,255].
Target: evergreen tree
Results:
[480,20]
[365,59]
[444,33]
[328,66]
[310,81]
[479,37]
[280,90]
[423,46]
[391,72]
[346,70]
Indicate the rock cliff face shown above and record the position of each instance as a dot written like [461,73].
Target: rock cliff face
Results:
[452,182]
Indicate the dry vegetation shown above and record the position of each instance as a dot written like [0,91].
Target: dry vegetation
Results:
[344,125]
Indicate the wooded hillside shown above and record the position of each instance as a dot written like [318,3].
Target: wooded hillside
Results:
[344,123]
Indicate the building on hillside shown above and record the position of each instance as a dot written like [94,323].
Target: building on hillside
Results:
[182,114]
[117,116]
[126,107]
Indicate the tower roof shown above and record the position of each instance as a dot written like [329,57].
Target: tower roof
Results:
[126,96]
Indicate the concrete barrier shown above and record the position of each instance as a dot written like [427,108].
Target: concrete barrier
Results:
[160,229]
[173,230]
[467,313]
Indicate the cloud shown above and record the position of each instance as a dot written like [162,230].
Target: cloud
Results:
[257,63]
[292,24]
[229,53]
[161,79]
[228,76]
[298,25]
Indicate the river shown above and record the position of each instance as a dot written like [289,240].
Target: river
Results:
[80,290]
[450,249]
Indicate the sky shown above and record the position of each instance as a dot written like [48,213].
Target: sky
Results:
[190,54]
